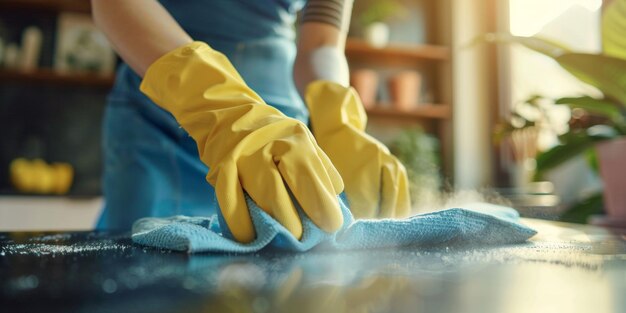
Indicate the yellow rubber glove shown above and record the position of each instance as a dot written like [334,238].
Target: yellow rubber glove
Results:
[247,144]
[376,182]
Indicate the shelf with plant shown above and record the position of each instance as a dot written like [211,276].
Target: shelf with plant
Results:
[603,123]
[372,21]
[358,48]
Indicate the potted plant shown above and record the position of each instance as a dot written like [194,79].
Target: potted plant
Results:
[372,19]
[520,133]
[601,135]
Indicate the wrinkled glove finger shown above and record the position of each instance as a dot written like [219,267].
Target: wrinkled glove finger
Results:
[233,205]
[332,171]
[394,190]
[403,208]
[364,193]
[333,174]
[312,187]
[267,188]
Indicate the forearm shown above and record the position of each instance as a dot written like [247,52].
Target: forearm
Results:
[321,43]
[321,57]
[140,31]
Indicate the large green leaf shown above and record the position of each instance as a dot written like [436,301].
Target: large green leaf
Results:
[591,155]
[548,47]
[603,72]
[614,29]
[600,107]
[573,144]
[581,211]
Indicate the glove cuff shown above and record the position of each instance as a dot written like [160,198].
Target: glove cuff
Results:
[332,106]
[181,77]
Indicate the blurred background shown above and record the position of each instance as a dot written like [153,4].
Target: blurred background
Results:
[476,97]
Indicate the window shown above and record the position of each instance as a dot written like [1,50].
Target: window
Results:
[575,23]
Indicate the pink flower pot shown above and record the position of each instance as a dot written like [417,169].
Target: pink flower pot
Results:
[611,157]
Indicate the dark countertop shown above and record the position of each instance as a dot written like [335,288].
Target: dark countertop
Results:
[566,268]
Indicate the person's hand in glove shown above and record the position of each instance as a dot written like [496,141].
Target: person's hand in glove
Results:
[247,145]
[376,182]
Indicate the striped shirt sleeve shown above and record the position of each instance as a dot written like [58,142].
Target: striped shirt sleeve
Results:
[330,12]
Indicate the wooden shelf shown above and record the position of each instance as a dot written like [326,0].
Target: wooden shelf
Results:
[396,52]
[422,111]
[83,6]
[49,76]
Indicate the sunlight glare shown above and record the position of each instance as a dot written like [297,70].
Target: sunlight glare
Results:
[528,17]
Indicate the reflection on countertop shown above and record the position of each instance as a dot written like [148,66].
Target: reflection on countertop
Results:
[566,268]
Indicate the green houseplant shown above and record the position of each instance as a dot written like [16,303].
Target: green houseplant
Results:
[373,18]
[418,151]
[606,72]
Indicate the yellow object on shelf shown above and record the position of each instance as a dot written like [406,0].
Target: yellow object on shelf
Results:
[39,177]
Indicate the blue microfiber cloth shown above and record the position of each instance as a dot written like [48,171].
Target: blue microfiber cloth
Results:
[484,224]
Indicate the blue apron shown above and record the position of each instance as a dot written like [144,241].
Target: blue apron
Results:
[151,165]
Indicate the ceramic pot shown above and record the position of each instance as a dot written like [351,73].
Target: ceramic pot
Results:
[404,90]
[377,34]
[611,156]
[365,82]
